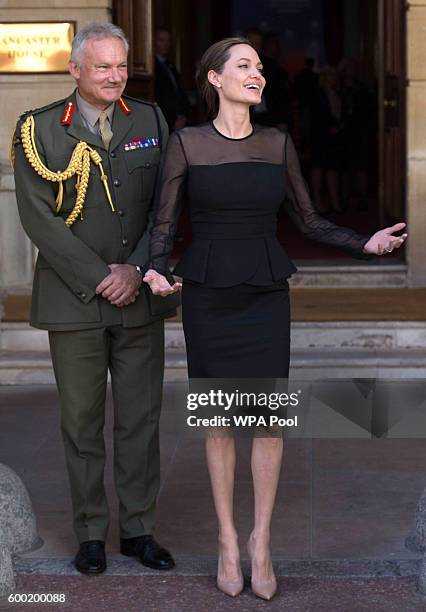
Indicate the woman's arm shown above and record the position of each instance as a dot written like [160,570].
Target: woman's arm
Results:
[167,210]
[300,209]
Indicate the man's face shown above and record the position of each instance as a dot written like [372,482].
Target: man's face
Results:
[256,40]
[101,74]
[162,42]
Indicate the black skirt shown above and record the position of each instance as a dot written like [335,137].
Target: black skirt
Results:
[237,332]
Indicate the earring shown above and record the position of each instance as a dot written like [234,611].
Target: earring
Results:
[218,85]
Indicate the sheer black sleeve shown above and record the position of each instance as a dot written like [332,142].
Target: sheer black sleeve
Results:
[300,209]
[168,205]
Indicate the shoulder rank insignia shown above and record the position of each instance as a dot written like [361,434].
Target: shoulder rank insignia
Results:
[141,143]
[126,110]
[68,113]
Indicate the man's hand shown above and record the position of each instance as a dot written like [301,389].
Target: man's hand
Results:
[159,284]
[382,242]
[121,286]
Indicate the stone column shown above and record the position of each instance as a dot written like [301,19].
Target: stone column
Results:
[416,141]
[20,93]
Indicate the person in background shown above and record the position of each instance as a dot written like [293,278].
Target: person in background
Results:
[272,48]
[306,83]
[306,90]
[358,111]
[169,93]
[327,143]
[274,109]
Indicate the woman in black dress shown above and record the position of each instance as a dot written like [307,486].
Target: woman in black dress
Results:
[235,294]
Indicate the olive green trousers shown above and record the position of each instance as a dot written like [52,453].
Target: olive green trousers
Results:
[135,359]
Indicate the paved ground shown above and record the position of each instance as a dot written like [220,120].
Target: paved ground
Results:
[199,594]
[344,506]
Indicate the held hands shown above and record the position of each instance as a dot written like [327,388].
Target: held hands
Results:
[159,284]
[121,286]
[382,242]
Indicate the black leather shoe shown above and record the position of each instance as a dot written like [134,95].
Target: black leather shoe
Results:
[90,558]
[149,552]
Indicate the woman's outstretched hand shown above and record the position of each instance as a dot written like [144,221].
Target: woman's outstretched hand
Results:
[382,242]
[159,284]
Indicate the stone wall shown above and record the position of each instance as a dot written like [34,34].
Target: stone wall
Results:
[416,141]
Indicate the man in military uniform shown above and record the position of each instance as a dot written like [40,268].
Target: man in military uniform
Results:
[85,172]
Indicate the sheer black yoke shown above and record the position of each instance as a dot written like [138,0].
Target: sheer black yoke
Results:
[234,189]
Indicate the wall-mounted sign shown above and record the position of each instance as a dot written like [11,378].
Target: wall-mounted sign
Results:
[35,47]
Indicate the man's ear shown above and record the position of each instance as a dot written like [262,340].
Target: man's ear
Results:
[74,70]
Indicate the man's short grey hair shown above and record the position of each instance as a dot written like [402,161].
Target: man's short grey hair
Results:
[98,31]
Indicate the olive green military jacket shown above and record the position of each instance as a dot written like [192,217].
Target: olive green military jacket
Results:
[73,260]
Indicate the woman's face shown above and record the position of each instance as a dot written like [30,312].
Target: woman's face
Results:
[241,79]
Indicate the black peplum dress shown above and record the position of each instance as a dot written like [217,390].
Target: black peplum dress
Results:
[235,303]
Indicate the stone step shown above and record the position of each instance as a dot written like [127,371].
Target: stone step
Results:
[345,349]
[374,335]
[35,367]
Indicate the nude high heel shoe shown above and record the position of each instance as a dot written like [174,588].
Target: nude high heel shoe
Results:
[229,587]
[265,589]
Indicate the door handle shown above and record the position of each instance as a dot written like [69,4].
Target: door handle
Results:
[391,100]
[390,103]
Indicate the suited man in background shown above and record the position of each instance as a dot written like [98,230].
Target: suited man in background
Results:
[169,93]
[274,110]
[87,286]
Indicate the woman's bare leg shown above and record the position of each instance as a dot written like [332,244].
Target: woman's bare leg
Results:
[220,452]
[266,462]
